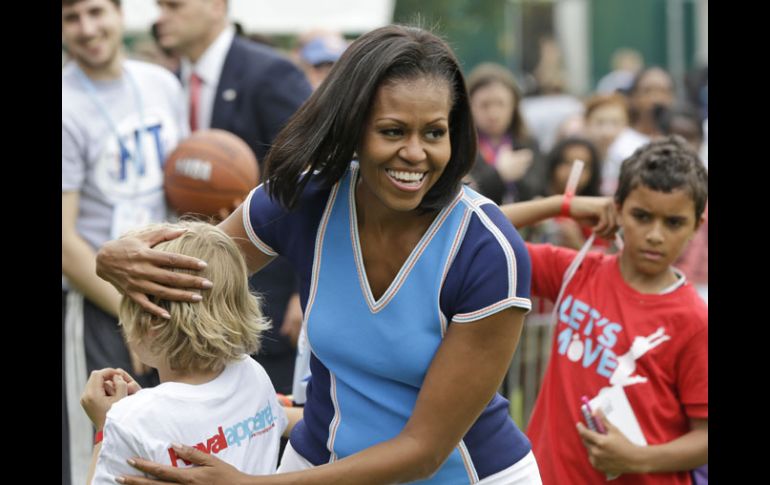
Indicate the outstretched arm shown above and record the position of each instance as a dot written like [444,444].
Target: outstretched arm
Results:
[598,212]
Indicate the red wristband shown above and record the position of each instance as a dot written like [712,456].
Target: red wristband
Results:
[565,204]
[285,401]
[98,437]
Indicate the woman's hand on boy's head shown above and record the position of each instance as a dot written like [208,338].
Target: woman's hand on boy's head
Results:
[611,453]
[105,387]
[597,212]
[136,270]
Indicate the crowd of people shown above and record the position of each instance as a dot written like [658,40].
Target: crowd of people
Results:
[407,217]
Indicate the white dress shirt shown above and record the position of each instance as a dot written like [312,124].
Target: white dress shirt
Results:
[209,69]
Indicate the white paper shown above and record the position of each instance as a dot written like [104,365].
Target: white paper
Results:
[615,406]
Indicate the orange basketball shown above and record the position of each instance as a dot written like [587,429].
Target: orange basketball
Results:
[208,171]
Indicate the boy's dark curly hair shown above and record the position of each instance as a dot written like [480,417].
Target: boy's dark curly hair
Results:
[665,165]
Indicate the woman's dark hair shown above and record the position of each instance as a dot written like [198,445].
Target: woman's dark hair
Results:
[665,165]
[555,159]
[487,73]
[323,135]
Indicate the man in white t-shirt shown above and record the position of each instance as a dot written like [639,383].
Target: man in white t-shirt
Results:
[120,118]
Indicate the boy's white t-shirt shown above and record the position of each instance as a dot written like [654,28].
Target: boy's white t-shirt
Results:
[235,417]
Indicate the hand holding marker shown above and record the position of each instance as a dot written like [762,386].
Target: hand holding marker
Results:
[593,423]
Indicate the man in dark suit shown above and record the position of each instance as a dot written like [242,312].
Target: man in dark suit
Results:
[248,89]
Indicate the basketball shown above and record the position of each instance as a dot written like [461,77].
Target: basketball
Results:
[208,171]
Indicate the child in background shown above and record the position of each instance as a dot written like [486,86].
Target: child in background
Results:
[563,231]
[504,140]
[628,324]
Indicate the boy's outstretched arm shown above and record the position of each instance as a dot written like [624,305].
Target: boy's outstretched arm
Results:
[598,212]
[612,453]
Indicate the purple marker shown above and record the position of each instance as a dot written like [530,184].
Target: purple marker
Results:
[597,422]
[588,418]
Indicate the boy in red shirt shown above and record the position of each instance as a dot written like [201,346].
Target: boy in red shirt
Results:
[626,324]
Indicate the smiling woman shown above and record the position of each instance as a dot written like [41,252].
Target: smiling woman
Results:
[406,143]
[413,287]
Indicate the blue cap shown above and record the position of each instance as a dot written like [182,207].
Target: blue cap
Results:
[322,49]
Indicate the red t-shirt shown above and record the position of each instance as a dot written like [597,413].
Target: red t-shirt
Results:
[598,319]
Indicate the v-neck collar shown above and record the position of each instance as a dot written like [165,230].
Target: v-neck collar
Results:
[377,305]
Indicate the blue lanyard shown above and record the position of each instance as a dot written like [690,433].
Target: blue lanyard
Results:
[138,157]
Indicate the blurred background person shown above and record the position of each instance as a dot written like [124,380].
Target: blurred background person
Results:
[503,136]
[317,51]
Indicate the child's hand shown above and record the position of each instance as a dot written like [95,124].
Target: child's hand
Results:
[611,453]
[598,212]
[105,387]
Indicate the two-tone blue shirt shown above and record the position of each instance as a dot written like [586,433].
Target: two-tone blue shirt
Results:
[370,356]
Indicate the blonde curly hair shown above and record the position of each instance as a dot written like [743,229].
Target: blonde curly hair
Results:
[201,336]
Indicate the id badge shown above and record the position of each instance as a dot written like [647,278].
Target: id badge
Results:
[127,216]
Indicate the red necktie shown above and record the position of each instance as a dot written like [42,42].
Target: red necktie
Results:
[195,91]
